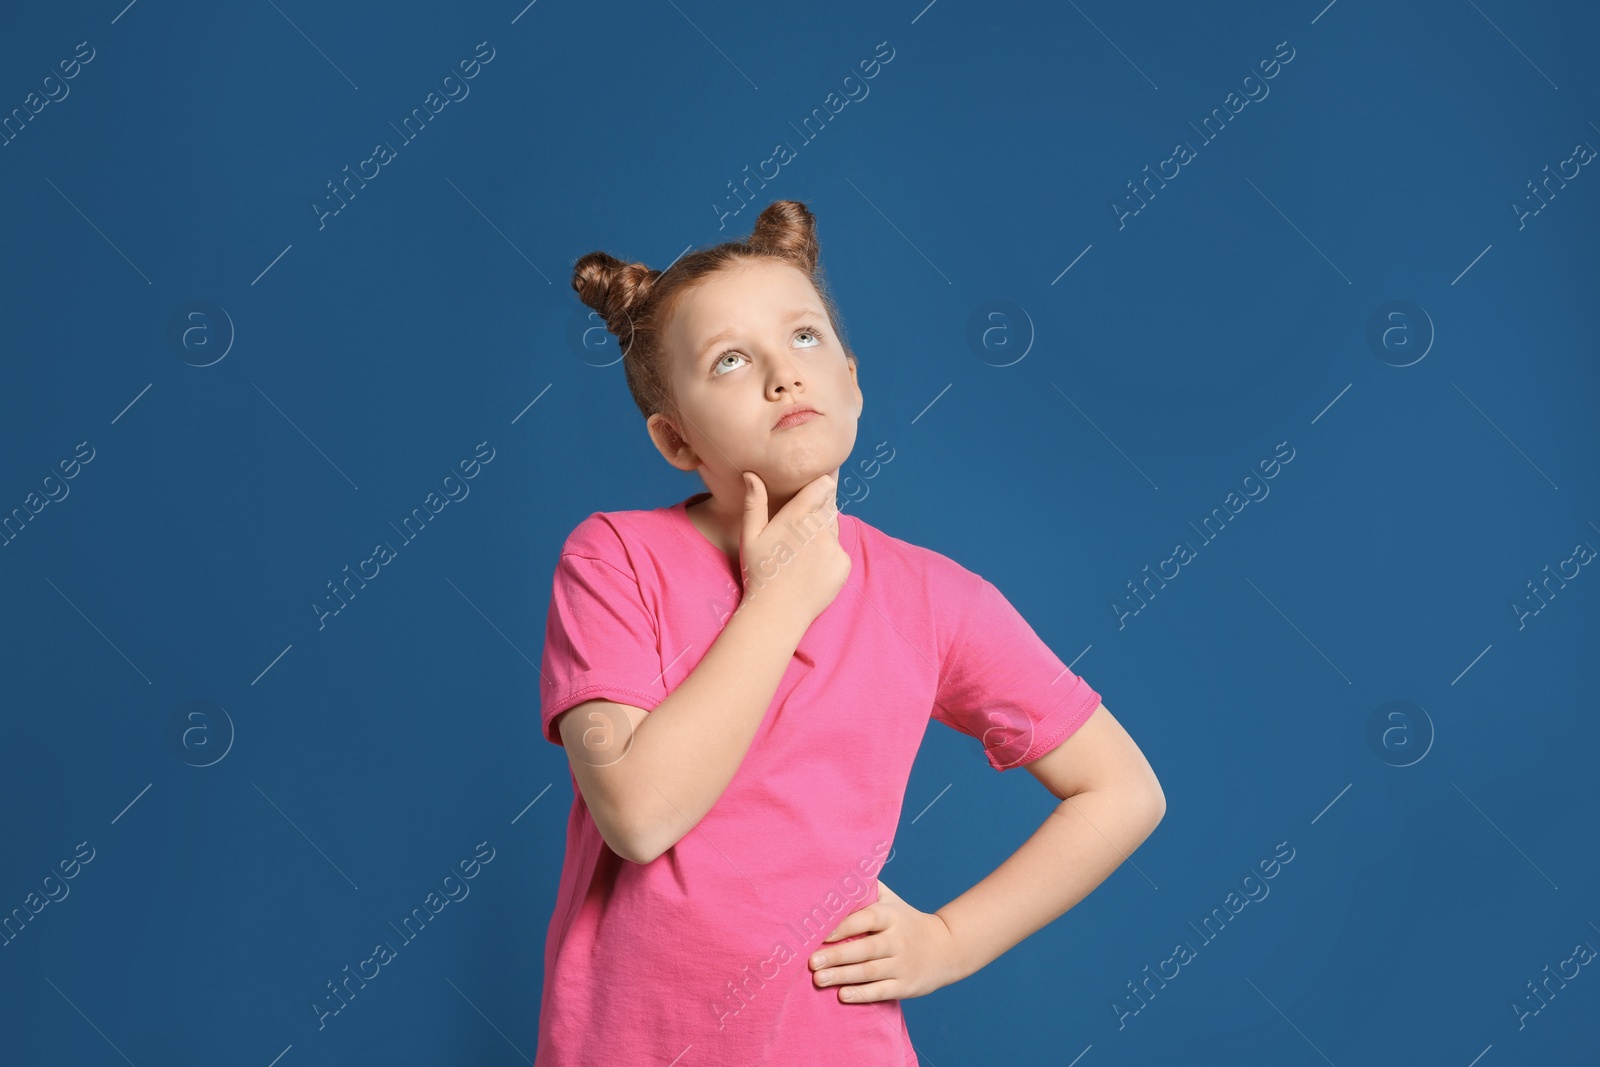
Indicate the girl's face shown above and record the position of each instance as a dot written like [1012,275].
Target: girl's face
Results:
[749,344]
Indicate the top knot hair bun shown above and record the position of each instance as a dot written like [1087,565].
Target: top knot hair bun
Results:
[614,289]
[787,230]
[635,301]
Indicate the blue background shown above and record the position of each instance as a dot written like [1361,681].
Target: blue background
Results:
[264,795]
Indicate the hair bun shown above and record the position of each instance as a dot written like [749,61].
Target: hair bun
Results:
[787,229]
[613,289]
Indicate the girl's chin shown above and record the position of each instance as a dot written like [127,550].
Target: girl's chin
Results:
[785,483]
[788,485]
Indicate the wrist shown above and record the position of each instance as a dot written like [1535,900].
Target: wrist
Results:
[772,612]
[962,962]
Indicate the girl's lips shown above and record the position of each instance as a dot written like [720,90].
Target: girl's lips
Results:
[795,419]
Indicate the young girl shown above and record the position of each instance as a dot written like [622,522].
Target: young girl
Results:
[741,682]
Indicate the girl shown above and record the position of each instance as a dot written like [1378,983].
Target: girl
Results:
[740,736]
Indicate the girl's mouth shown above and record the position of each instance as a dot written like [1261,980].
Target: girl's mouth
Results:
[795,419]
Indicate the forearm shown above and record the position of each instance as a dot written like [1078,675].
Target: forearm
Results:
[688,749]
[1081,842]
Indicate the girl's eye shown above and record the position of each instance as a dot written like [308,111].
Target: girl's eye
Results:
[719,366]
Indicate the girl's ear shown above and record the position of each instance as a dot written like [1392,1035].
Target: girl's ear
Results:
[670,443]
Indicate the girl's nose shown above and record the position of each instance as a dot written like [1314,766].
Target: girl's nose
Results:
[785,374]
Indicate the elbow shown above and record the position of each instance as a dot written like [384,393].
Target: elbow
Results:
[637,846]
[636,852]
[649,843]
[634,831]
[1157,801]
[621,838]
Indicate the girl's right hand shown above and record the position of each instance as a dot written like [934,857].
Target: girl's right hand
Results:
[796,558]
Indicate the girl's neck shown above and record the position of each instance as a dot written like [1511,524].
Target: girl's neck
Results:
[722,531]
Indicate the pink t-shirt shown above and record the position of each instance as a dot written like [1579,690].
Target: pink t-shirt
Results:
[699,957]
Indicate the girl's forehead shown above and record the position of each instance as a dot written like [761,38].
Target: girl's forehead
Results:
[720,300]
[762,274]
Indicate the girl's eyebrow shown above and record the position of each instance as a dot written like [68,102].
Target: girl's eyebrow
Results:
[792,315]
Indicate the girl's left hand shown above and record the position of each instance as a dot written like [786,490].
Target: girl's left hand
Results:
[911,954]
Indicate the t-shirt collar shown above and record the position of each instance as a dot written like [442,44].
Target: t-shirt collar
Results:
[679,516]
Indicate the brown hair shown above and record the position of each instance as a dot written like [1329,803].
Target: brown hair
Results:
[636,301]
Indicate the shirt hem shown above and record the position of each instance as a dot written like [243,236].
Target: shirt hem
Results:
[589,691]
[1089,704]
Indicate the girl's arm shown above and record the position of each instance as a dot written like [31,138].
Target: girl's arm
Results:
[1110,802]
[648,778]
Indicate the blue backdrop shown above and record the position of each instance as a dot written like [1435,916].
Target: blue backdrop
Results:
[281,275]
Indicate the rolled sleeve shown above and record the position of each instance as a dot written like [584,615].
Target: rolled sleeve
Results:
[600,640]
[1000,683]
